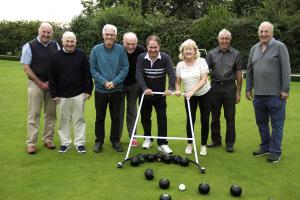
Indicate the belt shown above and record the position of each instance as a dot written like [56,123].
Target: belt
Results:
[228,82]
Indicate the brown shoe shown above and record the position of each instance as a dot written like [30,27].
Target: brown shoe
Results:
[31,150]
[49,145]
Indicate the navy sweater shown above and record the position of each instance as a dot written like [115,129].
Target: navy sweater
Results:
[69,74]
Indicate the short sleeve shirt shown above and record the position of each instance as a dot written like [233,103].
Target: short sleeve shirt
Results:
[190,75]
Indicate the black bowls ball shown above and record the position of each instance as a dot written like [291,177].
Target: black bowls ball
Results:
[184,162]
[204,188]
[150,157]
[149,174]
[165,197]
[164,183]
[235,190]
[134,161]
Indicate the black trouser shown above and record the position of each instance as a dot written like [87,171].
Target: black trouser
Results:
[223,94]
[101,102]
[204,105]
[159,103]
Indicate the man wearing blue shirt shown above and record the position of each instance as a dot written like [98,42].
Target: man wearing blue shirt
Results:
[36,61]
[268,74]
[109,68]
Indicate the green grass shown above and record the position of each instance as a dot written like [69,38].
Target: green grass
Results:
[49,175]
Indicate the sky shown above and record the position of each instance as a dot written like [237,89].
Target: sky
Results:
[42,10]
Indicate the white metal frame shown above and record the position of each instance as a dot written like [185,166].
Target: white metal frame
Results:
[158,137]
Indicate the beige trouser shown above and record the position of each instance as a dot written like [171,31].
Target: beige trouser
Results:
[37,98]
[72,110]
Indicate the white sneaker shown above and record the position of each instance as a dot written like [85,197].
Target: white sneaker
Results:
[165,149]
[203,150]
[147,143]
[188,149]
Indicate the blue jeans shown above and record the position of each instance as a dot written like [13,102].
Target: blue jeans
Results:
[270,108]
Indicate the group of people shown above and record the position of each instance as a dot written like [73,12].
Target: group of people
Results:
[63,78]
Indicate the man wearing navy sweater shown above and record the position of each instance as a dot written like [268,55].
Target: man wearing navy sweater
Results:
[70,84]
[151,71]
[109,68]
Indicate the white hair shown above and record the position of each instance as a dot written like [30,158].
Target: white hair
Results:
[268,24]
[68,34]
[111,27]
[131,35]
[224,31]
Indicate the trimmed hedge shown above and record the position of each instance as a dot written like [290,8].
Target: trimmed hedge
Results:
[12,58]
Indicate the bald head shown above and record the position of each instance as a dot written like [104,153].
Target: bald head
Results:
[69,41]
[265,32]
[130,42]
[45,32]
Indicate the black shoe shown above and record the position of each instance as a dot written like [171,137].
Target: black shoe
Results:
[117,146]
[260,152]
[98,147]
[273,158]
[229,149]
[214,144]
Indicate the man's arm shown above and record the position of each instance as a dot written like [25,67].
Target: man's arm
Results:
[249,77]
[93,68]
[171,73]
[139,74]
[285,71]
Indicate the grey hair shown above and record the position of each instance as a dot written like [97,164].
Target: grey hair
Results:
[224,31]
[267,23]
[109,26]
[130,35]
[68,34]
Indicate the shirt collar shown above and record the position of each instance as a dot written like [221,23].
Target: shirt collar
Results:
[38,39]
[148,58]
[229,49]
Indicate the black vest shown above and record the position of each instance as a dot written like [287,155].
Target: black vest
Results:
[40,61]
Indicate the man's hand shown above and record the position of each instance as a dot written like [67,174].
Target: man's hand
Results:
[188,95]
[237,97]
[148,92]
[56,99]
[284,95]
[249,95]
[87,96]
[109,85]
[44,85]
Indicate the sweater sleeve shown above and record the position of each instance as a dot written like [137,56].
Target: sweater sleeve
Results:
[249,76]
[119,79]
[88,77]
[171,73]
[52,78]
[139,74]
[285,68]
[98,78]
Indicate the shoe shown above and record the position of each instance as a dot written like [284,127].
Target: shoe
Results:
[64,148]
[98,147]
[203,150]
[147,143]
[31,150]
[117,146]
[49,145]
[273,158]
[229,149]
[214,144]
[260,152]
[188,149]
[81,149]
[134,143]
[165,149]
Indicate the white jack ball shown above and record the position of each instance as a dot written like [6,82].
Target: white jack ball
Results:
[181,187]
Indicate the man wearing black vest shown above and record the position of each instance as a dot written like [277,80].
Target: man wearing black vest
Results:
[36,60]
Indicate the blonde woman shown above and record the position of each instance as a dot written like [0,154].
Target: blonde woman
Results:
[192,71]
